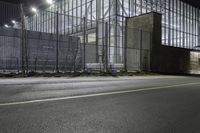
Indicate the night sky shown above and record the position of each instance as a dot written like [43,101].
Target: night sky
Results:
[193,2]
[26,2]
[13,12]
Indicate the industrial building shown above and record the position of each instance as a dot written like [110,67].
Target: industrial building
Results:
[102,27]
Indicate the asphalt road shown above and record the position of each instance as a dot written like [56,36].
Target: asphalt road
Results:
[162,104]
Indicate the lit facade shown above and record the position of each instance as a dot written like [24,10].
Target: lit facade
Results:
[180,22]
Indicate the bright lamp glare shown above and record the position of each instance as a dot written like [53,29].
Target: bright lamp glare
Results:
[34,9]
[13,21]
[49,1]
[6,26]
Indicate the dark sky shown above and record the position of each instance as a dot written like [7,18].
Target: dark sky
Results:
[11,11]
[26,2]
[193,2]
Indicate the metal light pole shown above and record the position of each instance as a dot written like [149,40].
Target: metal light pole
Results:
[22,39]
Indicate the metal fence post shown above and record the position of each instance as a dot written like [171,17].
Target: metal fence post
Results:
[125,46]
[141,65]
[26,51]
[84,44]
[22,39]
[17,64]
[35,64]
[57,43]
[106,47]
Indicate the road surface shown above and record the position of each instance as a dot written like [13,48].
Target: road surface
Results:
[154,104]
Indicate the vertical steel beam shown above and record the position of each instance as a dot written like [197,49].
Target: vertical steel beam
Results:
[98,27]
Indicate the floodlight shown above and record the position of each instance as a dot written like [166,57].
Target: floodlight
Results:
[6,26]
[49,1]
[33,9]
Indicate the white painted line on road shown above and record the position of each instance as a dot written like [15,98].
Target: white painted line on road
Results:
[94,95]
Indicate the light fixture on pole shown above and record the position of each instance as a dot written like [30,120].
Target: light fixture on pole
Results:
[33,9]
[6,26]
[49,2]
[13,21]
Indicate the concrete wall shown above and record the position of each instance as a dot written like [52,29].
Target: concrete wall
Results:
[41,53]
[170,60]
[159,58]
[194,62]
[139,33]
